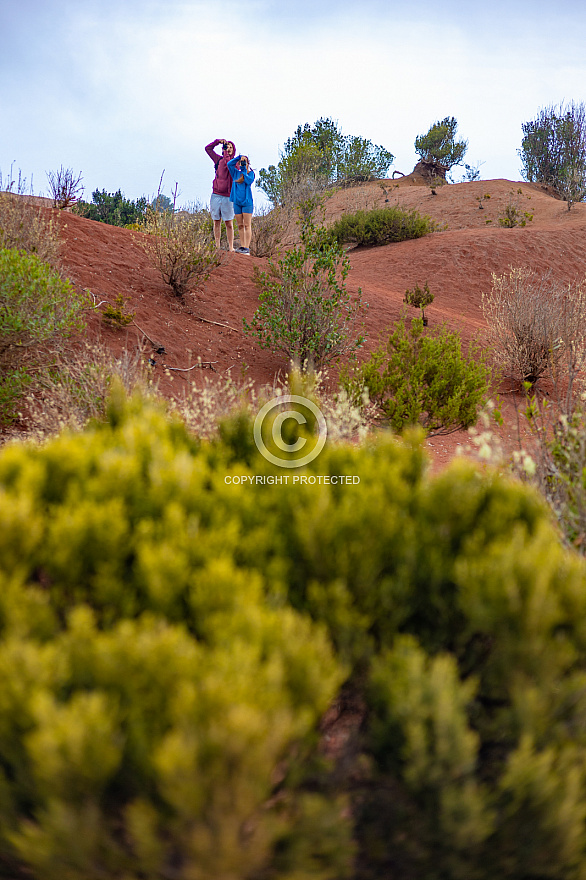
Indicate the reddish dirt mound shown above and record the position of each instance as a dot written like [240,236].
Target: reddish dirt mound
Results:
[457,262]
[109,261]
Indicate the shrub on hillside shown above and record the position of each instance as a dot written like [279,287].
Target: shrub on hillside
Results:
[75,387]
[380,226]
[299,175]
[422,378]
[165,657]
[37,307]
[268,228]
[419,298]
[553,150]
[116,314]
[438,149]
[513,214]
[66,188]
[181,248]
[536,326]
[320,156]
[512,217]
[556,454]
[112,208]
[305,310]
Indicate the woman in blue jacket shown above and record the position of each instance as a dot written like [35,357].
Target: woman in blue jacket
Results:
[241,194]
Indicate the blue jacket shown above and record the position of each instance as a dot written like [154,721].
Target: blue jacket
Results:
[241,193]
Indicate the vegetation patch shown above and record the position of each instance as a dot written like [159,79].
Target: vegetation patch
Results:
[268,228]
[116,314]
[421,378]
[66,187]
[419,298]
[305,310]
[553,150]
[112,208]
[380,226]
[173,628]
[536,326]
[439,150]
[318,157]
[181,248]
[24,226]
[37,308]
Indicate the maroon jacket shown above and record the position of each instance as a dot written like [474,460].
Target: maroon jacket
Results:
[222,181]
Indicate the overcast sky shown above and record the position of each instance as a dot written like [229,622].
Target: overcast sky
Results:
[121,90]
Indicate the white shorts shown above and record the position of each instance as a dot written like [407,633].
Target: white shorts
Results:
[221,208]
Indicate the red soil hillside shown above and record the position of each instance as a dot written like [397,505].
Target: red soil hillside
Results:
[457,262]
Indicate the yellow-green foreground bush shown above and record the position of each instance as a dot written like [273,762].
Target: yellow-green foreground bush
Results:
[170,639]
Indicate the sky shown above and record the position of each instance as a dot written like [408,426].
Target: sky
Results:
[123,91]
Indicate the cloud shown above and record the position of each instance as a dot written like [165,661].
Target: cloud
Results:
[121,89]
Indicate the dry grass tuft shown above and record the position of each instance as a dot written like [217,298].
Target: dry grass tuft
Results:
[75,388]
[180,248]
[269,226]
[536,326]
[25,226]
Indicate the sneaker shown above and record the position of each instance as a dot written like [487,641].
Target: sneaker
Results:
[245,251]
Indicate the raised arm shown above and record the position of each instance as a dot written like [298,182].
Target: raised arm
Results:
[210,150]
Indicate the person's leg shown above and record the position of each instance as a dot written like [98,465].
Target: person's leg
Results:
[215,211]
[217,232]
[227,209]
[240,224]
[230,234]
[246,236]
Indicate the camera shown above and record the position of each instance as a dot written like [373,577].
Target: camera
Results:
[224,145]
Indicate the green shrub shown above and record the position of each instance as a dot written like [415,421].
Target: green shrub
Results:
[112,208]
[13,383]
[36,303]
[166,623]
[305,309]
[419,298]
[116,314]
[422,740]
[448,813]
[558,463]
[152,690]
[553,150]
[423,378]
[37,307]
[438,149]
[513,215]
[380,226]
[320,156]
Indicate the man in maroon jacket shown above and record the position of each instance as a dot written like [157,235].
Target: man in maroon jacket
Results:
[221,207]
